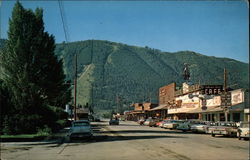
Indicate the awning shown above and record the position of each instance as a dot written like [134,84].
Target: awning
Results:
[178,110]
[160,107]
[208,109]
[137,112]
[217,109]
[247,110]
[238,107]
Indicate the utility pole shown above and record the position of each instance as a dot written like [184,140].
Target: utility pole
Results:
[225,97]
[75,89]
[0,18]
[225,90]
[92,98]
[117,103]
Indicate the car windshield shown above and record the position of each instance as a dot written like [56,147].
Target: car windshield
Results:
[213,124]
[228,124]
[81,123]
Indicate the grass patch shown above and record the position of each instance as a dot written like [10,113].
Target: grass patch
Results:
[20,136]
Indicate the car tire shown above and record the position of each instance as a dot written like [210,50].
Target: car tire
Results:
[238,134]
[213,135]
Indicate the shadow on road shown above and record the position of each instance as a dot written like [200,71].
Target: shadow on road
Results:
[147,131]
[105,138]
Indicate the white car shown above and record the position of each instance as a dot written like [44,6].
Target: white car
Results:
[200,127]
[243,130]
[172,124]
[186,125]
[80,129]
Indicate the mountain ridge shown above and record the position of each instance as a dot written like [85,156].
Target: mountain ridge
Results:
[135,73]
[113,75]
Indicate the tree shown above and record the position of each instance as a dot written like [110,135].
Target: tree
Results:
[31,71]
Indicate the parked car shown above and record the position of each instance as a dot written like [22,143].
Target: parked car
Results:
[146,123]
[141,121]
[153,122]
[186,125]
[80,129]
[243,130]
[208,128]
[162,123]
[159,123]
[97,119]
[200,128]
[224,128]
[172,124]
[114,122]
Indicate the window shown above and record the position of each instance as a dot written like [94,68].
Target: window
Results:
[236,117]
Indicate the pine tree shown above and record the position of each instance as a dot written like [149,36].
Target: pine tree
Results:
[31,71]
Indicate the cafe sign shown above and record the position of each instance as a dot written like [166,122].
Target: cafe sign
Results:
[211,89]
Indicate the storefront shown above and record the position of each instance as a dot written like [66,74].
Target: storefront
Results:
[246,115]
[159,112]
[181,113]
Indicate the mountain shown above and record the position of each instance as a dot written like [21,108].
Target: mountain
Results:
[113,73]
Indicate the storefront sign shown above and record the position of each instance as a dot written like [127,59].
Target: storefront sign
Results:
[190,105]
[226,99]
[237,96]
[211,89]
[215,101]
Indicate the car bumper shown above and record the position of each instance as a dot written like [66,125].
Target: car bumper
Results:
[246,135]
[218,132]
[80,135]
[198,130]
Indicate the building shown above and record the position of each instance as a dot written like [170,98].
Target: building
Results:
[166,97]
[193,101]
[204,102]
[185,100]
[141,111]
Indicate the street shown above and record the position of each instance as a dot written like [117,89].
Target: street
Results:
[130,141]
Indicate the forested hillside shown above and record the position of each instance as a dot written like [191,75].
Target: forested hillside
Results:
[114,73]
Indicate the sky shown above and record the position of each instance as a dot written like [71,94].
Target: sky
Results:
[213,28]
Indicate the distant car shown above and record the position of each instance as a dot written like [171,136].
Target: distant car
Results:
[153,123]
[114,122]
[224,128]
[208,128]
[159,123]
[163,122]
[172,124]
[186,125]
[199,128]
[96,119]
[148,121]
[141,121]
[80,129]
[243,130]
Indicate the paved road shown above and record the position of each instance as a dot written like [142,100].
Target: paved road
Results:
[129,141]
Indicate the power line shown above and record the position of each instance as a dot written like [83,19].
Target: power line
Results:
[64,22]
[0,18]
[65,29]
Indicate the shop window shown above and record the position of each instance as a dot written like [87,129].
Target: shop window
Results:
[204,117]
[213,118]
[236,117]
[222,117]
[208,117]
